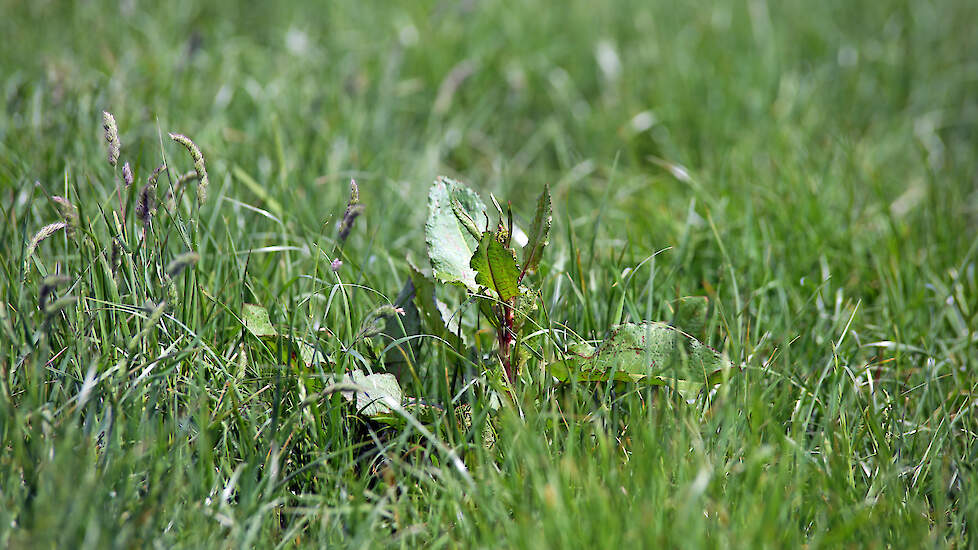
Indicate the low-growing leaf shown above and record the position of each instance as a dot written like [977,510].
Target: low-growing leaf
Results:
[539,235]
[450,246]
[376,395]
[401,326]
[256,321]
[495,267]
[648,352]
[689,314]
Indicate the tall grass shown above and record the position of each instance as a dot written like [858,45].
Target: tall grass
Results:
[810,168]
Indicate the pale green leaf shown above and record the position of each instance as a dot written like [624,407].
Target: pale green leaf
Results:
[376,395]
[450,245]
[256,320]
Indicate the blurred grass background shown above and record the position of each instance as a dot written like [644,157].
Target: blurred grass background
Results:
[809,166]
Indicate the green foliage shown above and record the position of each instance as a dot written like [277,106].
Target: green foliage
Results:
[376,396]
[690,314]
[284,348]
[450,244]
[807,167]
[648,352]
[493,261]
[495,268]
[438,320]
[539,236]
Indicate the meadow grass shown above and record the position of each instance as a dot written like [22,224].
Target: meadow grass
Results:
[810,167]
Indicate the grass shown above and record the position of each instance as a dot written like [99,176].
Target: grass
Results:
[809,167]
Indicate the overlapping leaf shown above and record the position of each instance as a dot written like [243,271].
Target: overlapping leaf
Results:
[435,315]
[375,396]
[450,244]
[648,352]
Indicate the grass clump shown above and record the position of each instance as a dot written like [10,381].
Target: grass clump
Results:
[790,186]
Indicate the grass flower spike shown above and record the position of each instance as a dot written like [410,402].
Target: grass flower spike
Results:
[111,136]
[199,166]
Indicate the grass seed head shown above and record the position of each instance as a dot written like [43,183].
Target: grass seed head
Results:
[146,206]
[127,174]
[115,259]
[170,198]
[44,233]
[199,167]
[48,285]
[353,209]
[68,211]
[111,136]
[178,264]
[156,174]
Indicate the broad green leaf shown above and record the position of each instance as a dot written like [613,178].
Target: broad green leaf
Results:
[376,395]
[496,268]
[689,314]
[648,352]
[450,246]
[539,235]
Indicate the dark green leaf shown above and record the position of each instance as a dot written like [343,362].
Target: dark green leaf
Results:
[496,268]
[403,326]
[434,314]
[539,235]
